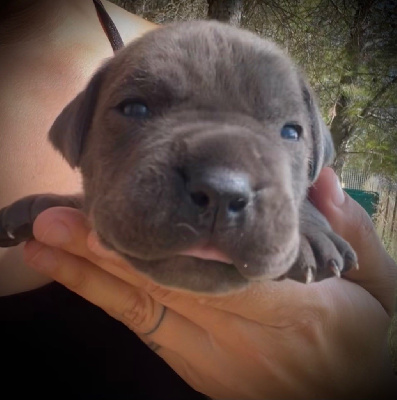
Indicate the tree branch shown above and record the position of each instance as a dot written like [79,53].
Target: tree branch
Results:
[377,96]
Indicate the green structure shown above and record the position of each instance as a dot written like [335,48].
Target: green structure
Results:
[368,200]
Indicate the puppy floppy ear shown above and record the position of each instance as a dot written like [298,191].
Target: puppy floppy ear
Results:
[322,145]
[69,130]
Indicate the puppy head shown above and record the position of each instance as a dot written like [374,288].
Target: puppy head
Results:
[197,143]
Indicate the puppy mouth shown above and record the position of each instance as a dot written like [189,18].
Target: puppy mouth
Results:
[206,252]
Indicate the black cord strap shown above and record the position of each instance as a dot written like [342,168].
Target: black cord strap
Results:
[108,26]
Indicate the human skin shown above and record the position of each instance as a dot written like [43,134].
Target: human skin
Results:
[49,51]
[276,340]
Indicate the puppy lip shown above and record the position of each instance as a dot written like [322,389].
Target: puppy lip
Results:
[206,252]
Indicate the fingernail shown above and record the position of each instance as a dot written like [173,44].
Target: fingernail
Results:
[57,234]
[43,257]
[338,195]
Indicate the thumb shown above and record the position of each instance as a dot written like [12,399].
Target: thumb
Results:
[377,271]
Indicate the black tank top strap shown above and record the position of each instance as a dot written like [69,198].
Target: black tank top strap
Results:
[108,26]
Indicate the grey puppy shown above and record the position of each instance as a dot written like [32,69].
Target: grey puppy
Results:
[197,144]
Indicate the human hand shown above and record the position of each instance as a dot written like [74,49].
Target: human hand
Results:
[270,340]
[377,270]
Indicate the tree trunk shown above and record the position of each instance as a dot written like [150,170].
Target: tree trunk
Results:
[339,161]
[394,217]
[342,130]
[341,127]
[229,11]
[386,214]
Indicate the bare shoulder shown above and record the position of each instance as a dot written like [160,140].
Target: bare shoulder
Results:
[44,65]
[129,25]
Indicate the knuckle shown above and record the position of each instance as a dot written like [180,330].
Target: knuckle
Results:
[136,311]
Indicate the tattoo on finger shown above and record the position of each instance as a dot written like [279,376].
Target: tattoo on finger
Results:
[158,323]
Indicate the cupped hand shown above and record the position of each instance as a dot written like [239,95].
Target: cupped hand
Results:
[275,340]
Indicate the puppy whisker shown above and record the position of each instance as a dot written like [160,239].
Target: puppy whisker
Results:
[189,227]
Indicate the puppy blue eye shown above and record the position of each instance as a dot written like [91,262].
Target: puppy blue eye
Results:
[134,109]
[291,132]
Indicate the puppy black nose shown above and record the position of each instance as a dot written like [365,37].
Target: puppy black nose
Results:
[226,192]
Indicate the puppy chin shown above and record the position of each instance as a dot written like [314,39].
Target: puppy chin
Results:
[273,264]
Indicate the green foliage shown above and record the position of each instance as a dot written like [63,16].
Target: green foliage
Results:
[349,53]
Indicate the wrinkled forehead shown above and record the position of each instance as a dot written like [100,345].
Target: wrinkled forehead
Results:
[211,62]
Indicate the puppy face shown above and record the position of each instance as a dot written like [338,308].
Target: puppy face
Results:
[196,144]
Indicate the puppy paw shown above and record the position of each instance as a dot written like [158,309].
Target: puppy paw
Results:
[16,220]
[323,254]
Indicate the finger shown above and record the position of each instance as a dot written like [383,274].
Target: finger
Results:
[169,333]
[69,230]
[134,307]
[276,304]
[130,305]
[377,271]
[95,246]
[64,228]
